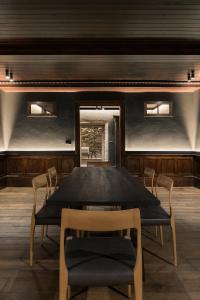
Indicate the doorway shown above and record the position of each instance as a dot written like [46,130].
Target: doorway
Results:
[100,134]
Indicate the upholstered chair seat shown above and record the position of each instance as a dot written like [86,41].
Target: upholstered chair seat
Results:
[98,261]
[154,216]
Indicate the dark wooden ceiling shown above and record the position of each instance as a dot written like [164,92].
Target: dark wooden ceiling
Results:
[100,40]
[105,18]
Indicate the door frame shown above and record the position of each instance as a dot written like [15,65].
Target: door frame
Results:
[119,103]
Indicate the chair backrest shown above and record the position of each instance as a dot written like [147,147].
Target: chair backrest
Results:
[149,174]
[39,182]
[99,221]
[102,164]
[53,179]
[167,183]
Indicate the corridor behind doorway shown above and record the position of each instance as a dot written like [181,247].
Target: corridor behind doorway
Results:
[99,134]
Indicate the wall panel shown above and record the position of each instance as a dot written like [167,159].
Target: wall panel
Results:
[178,166]
[18,169]
[2,171]
[22,167]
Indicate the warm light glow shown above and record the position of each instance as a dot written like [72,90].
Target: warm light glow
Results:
[32,148]
[158,149]
[185,89]
[97,115]
[9,112]
[189,108]
[36,109]
[190,112]
[158,108]
[164,109]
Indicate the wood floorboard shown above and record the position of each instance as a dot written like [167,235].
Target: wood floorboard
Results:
[163,281]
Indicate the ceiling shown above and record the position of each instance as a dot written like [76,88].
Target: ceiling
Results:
[100,67]
[95,116]
[127,40]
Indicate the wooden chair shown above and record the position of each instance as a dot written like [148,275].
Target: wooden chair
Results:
[149,174]
[97,261]
[102,164]
[53,179]
[151,216]
[43,216]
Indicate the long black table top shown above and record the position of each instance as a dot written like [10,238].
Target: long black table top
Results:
[102,186]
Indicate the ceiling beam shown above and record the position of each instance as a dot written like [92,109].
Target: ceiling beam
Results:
[100,46]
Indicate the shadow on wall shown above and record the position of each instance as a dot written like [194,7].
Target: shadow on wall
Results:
[38,133]
[156,133]
[179,133]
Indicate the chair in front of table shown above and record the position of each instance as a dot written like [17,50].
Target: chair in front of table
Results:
[100,261]
[41,214]
[149,175]
[53,179]
[156,215]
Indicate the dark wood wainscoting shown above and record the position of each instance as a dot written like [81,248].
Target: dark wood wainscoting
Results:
[197,170]
[21,167]
[179,166]
[2,170]
[18,168]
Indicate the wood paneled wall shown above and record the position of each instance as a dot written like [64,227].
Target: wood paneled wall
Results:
[197,170]
[2,170]
[178,166]
[22,167]
[18,168]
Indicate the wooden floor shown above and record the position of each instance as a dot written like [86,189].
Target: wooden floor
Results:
[163,281]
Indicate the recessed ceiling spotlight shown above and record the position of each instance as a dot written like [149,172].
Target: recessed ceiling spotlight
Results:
[11,76]
[7,73]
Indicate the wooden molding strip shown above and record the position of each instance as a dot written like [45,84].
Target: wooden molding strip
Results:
[102,83]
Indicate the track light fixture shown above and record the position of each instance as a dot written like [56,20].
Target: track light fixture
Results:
[189,77]
[192,74]
[11,76]
[7,73]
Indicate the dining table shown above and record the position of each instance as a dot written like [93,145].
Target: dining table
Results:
[97,186]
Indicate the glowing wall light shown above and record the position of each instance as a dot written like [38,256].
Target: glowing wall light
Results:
[9,110]
[189,111]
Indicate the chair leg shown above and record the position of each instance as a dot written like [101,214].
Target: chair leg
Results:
[129,291]
[32,241]
[42,233]
[68,292]
[138,285]
[46,230]
[156,230]
[161,236]
[64,292]
[121,233]
[82,234]
[173,229]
